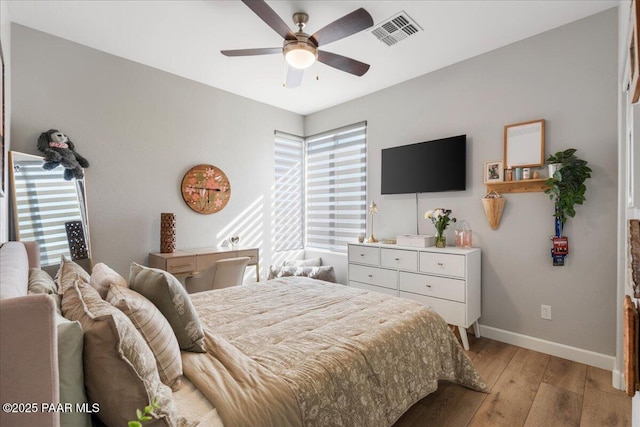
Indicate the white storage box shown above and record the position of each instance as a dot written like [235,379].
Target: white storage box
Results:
[415,240]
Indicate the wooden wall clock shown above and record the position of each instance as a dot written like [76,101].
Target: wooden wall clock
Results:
[206,189]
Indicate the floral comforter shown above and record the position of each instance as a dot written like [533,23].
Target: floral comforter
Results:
[301,352]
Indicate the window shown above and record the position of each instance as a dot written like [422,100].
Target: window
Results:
[330,210]
[336,187]
[288,209]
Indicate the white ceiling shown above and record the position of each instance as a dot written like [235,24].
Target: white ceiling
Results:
[185,38]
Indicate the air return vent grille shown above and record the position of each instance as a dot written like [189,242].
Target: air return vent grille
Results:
[396,29]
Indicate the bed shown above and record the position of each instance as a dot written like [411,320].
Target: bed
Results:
[317,354]
[300,352]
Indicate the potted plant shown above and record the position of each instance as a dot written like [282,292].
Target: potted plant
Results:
[566,185]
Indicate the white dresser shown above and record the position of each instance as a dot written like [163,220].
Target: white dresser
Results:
[446,280]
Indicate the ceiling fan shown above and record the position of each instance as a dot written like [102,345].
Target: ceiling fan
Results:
[300,50]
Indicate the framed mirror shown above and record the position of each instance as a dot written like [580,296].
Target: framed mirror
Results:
[50,210]
[524,144]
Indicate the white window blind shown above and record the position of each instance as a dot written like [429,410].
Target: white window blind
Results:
[288,192]
[43,206]
[336,187]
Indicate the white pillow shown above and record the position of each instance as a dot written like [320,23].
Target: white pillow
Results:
[70,347]
[312,262]
[325,273]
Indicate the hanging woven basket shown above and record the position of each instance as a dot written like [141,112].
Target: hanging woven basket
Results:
[493,204]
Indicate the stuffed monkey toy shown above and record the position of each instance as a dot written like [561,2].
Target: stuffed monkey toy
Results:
[59,150]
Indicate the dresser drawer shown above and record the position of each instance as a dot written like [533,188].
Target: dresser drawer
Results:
[433,286]
[452,312]
[399,259]
[364,255]
[181,265]
[373,288]
[444,264]
[373,276]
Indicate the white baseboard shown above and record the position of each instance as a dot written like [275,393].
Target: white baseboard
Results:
[617,380]
[591,358]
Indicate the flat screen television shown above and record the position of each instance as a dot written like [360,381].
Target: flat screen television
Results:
[425,167]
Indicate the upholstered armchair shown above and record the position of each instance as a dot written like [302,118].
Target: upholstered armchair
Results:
[222,274]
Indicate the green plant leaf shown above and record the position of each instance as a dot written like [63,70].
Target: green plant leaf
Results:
[567,185]
[134,424]
[139,413]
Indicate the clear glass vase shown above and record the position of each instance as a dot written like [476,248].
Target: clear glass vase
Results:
[441,240]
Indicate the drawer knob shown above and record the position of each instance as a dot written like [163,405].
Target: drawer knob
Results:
[440,264]
[370,275]
[397,259]
[361,254]
[428,286]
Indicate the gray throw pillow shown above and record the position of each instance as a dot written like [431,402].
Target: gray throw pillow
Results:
[325,273]
[311,262]
[167,293]
[41,283]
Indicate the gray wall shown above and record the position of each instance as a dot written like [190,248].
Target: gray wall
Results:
[142,129]
[566,76]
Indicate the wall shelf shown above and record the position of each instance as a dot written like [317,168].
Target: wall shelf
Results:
[522,186]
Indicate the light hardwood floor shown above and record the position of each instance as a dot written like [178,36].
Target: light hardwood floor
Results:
[528,388]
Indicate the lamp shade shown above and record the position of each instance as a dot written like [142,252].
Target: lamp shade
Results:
[300,55]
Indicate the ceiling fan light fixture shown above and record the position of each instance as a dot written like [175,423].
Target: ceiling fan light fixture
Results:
[300,55]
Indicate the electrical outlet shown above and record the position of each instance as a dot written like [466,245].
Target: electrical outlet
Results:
[545,312]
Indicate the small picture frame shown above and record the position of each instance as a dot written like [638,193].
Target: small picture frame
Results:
[493,171]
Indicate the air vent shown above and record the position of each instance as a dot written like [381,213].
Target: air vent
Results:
[395,29]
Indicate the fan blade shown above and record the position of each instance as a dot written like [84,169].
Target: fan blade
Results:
[294,77]
[349,24]
[343,63]
[271,18]
[251,52]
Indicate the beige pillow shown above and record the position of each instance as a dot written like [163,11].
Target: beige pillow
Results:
[41,283]
[154,329]
[102,276]
[68,272]
[171,298]
[119,368]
